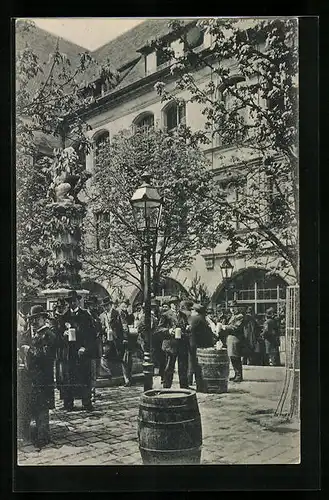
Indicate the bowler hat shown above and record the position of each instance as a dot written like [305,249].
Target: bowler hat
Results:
[73,295]
[107,300]
[36,311]
[199,308]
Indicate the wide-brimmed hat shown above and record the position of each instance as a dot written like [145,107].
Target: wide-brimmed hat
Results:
[37,311]
[72,295]
[107,301]
[232,303]
[199,308]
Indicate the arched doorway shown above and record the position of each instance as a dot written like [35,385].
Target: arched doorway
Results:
[167,288]
[253,287]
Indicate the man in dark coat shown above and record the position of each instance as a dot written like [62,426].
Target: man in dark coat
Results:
[127,344]
[251,338]
[172,326]
[92,305]
[37,347]
[271,335]
[78,347]
[158,356]
[235,339]
[199,335]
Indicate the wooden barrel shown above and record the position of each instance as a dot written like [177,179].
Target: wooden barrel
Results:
[215,367]
[169,427]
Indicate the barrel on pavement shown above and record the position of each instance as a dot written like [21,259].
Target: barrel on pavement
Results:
[169,427]
[215,367]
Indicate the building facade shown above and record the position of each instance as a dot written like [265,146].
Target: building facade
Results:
[134,102]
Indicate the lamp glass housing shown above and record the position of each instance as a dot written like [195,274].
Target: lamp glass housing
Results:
[146,206]
[227,269]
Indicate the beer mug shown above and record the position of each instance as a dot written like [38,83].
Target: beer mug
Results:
[178,333]
[72,336]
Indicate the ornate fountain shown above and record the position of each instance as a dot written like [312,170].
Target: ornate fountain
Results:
[65,216]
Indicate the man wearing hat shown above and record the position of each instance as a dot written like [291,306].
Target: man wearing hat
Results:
[38,353]
[112,333]
[173,326]
[235,338]
[271,336]
[78,347]
[92,305]
[158,356]
[200,335]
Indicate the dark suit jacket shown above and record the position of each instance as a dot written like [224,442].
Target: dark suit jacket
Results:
[171,320]
[200,334]
[86,335]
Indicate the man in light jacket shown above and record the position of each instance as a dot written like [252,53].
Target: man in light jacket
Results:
[235,339]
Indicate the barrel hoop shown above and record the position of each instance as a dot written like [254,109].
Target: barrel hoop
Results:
[166,408]
[150,422]
[215,379]
[183,450]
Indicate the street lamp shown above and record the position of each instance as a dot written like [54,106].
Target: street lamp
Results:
[146,206]
[227,270]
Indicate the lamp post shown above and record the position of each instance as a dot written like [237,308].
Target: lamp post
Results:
[146,206]
[227,270]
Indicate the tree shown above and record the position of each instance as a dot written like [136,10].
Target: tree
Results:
[178,168]
[50,95]
[250,102]
[198,291]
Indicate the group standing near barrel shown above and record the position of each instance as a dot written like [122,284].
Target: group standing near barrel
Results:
[68,348]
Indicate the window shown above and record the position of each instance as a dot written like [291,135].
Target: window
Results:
[144,121]
[276,102]
[100,139]
[97,90]
[194,38]
[102,227]
[173,116]
[255,288]
[236,113]
[162,57]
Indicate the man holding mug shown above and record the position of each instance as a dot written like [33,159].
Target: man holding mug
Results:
[172,325]
[78,349]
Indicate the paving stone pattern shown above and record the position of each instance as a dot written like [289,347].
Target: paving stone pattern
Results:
[231,430]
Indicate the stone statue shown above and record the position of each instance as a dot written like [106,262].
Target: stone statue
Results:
[67,182]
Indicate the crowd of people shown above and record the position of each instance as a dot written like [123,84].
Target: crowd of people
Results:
[82,342]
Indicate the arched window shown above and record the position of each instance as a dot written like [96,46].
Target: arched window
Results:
[174,115]
[99,139]
[144,121]
[256,288]
[233,105]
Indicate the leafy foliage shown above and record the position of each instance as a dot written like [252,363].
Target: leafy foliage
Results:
[178,169]
[251,103]
[198,291]
[50,96]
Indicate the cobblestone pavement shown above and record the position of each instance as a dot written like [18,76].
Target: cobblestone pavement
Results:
[231,430]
